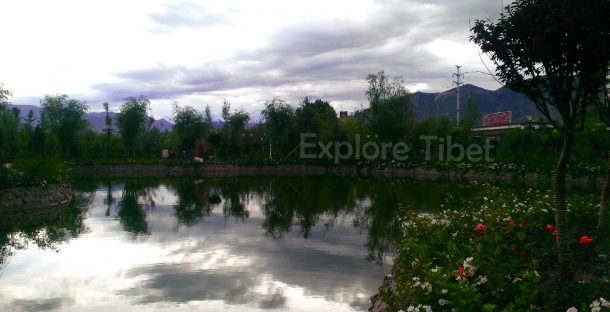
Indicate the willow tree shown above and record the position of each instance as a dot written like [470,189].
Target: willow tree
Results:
[556,52]
[65,119]
[131,121]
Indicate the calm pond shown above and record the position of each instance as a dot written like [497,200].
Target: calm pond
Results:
[243,244]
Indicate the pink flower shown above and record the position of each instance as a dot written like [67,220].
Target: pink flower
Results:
[585,240]
[550,228]
[480,227]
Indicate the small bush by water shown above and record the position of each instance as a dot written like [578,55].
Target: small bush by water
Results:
[495,251]
[35,171]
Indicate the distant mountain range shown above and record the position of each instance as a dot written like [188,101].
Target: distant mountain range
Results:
[97,120]
[473,98]
[427,105]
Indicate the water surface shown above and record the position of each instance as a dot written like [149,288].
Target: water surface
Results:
[243,244]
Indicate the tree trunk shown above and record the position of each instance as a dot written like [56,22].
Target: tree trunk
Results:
[561,210]
[603,204]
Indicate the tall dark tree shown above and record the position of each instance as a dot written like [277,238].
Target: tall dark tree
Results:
[131,121]
[277,120]
[8,126]
[602,101]
[317,117]
[390,107]
[236,126]
[190,125]
[108,127]
[65,119]
[557,53]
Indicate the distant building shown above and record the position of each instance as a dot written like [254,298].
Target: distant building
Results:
[343,114]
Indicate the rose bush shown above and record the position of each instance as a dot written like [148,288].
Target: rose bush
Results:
[495,251]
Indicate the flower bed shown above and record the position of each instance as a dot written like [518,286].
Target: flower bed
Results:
[495,251]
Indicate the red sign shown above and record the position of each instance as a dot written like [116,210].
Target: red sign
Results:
[497,119]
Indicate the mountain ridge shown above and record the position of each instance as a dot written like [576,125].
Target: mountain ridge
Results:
[96,120]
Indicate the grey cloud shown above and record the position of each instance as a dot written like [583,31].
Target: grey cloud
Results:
[179,283]
[315,52]
[35,305]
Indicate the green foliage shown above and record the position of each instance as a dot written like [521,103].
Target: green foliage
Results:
[557,54]
[190,125]
[64,119]
[35,171]
[391,109]
[317,117]
[131,121]
[557,60]
[278,120]
[493,251]
[9,127]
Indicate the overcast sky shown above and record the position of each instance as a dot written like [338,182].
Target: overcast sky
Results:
[199,52]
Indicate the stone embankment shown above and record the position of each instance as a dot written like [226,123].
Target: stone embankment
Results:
[420,173]
[34,197]
[388,285]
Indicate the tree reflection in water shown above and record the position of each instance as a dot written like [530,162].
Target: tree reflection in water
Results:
[307,203]
[138,197]
[46,227]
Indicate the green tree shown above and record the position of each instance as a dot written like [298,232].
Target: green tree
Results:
[64,118]
[237,124]
[317,117]
[208,121]
[391,109]
[190,125]
[278,119]
[556,52]
[9,122]
[131,121]
[602,102]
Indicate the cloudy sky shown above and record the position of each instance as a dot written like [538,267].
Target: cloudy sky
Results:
[203,51]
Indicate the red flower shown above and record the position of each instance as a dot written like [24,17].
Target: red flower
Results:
[555,233]
[585,240]
[480,227]
[460,274]
[511,224]
[550,228]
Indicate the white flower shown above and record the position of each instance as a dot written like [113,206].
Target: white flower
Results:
[442,302]
[434,270]
[595,306]
[427,286]
[427,308]
[482,280]
[572,309]
[444,291]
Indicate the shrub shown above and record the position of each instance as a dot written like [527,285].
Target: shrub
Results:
[495,251]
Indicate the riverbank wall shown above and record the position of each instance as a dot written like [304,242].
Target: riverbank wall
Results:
[419,173]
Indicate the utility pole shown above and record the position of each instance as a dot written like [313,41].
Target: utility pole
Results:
[458,83]
[108,129]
